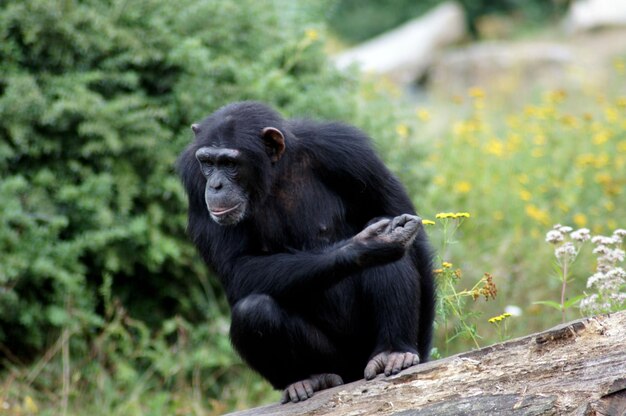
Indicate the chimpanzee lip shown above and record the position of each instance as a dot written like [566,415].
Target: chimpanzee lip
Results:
[223,211]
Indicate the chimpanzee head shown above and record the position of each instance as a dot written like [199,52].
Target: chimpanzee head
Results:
[237,148]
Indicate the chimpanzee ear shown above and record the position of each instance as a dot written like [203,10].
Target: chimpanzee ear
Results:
[274,141]
[195,128]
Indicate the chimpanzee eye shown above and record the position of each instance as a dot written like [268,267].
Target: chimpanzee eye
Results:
[206,167]
[230,166]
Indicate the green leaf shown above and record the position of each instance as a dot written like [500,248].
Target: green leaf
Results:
[555,305]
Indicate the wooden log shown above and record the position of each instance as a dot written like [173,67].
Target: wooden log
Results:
[578,368]
[405,53]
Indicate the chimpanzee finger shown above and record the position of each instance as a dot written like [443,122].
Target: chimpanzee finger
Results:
[391,364]
[333,380]
[373,230]
[301,390]
[410,359]
[293,395]
[400,220]
[379,227]
[375,365]
[308,388]
[399,363]
[370,371]
[416,359]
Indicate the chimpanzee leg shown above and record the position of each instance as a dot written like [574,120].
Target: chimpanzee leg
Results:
[282,347]
[393,293]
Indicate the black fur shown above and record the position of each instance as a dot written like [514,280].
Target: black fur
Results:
[306,297]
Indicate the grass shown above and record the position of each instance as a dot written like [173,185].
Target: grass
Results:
[519,169]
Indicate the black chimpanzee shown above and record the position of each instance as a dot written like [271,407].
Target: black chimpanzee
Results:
[325,266]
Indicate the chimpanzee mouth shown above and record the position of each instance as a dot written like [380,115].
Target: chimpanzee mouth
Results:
[218,212]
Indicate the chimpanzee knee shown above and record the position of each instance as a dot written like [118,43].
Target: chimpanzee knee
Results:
[253,317]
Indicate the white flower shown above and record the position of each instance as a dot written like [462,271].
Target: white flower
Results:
[567,252]
[554,237]
[514,310]
[603,240]
[617,274]
[619,234]
[591,281]
[581,235]
[601,249]
[616,255]
[565,229]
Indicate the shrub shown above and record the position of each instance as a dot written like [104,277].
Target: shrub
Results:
[95,102]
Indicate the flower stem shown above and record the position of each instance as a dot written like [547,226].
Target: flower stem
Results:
[563,286]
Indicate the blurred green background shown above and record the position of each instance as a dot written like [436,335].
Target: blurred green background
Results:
[105,307]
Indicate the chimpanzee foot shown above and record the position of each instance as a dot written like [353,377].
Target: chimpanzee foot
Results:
[302,390]
[390,363]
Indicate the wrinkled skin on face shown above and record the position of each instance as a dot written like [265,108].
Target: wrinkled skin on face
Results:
[225,199]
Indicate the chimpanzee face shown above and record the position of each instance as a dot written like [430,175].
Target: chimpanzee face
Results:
[230,175]
[226,199]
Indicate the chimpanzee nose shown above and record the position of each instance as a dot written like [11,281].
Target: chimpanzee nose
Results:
[215,184]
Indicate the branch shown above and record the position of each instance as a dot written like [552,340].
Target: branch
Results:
[575,368]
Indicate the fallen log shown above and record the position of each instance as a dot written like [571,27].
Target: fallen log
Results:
[578,368]
[405,53]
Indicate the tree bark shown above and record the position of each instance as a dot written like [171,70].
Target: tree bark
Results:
[578,368]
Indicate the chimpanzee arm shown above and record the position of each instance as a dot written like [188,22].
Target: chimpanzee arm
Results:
[299,273]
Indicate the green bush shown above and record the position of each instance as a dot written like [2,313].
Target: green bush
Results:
[96,99]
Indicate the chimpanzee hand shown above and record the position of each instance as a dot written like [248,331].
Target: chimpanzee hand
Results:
[387,240]
[302,390]
[390,363]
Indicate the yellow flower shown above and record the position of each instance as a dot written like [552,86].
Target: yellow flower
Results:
[312,34]
[476,92]
[446,265]
[428,222]
[30,406]
[462,187]
[513,143]
[611,114]
[537,214]
[525,195]
[601,137]
[495,147]
[479,104]
[586,159]
[569,121]
[402,130]
[499,318]
[523,178]
[423,114]
[603,178]
[452,215]
[554,97]
[539,139]
[609,206]
[580,220]
[562,206]
[602,160]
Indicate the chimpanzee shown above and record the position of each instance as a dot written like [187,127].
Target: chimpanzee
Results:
[325,266]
